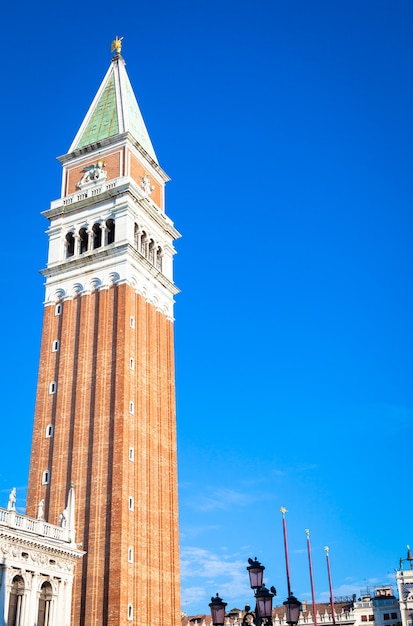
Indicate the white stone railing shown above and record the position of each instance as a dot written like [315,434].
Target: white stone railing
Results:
[85,193]
[13,519]
[98,188]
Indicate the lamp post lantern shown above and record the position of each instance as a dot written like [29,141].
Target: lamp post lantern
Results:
[292,610]
[217,607]
[263,599]
[256,573]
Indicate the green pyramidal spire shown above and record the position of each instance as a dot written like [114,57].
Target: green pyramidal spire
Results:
[114,111]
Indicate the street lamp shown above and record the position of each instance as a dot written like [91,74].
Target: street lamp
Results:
[263,599]
[292,610]
[262,615]
[256,573]
[217,607]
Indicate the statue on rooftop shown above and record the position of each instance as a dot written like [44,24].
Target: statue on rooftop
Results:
[11,505]
[40,509]
[63,519]
[116,45]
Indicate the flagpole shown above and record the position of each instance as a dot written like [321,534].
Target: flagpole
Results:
[310,564]
[287,565]
[331,586]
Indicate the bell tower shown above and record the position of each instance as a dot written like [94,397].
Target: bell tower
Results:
[105,404]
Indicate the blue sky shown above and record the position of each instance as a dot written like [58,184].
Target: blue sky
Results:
[286,127]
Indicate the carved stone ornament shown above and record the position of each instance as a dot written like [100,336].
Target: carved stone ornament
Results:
[146,185]
[92,174]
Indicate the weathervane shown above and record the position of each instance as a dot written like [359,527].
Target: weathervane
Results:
[116,45]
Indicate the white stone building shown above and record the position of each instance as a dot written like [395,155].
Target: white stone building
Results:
[37,563]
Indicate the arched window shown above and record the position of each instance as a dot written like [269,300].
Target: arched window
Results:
[110,225]
[97,236]
[14,617]
[151,252]
[45,601]
[83,240]
[158,262]
[144,243]
[49,431]
[136,236]
[70,245]
[45,477]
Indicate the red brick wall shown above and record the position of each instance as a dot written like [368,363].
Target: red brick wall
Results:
[93,431]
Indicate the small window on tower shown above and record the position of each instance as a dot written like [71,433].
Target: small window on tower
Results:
[45,477]
[132,363]
[130,554]
[130,505]
[58,309]
[130,612]
[49,431]
[131,408]
[131,454]
[52,387]
[132,321]
[55,345]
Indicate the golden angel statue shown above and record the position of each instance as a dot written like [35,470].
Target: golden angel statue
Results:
[116,45]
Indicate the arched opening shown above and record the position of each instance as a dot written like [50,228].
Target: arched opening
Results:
[144,243]
[70,245]
[137,233]
[45,601]
[15,602]
[97,236]
[110,225]
[158,263]
[83,240]
[151,255]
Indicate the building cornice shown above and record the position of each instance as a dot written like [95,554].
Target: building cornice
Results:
[22,538]
[112,251]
